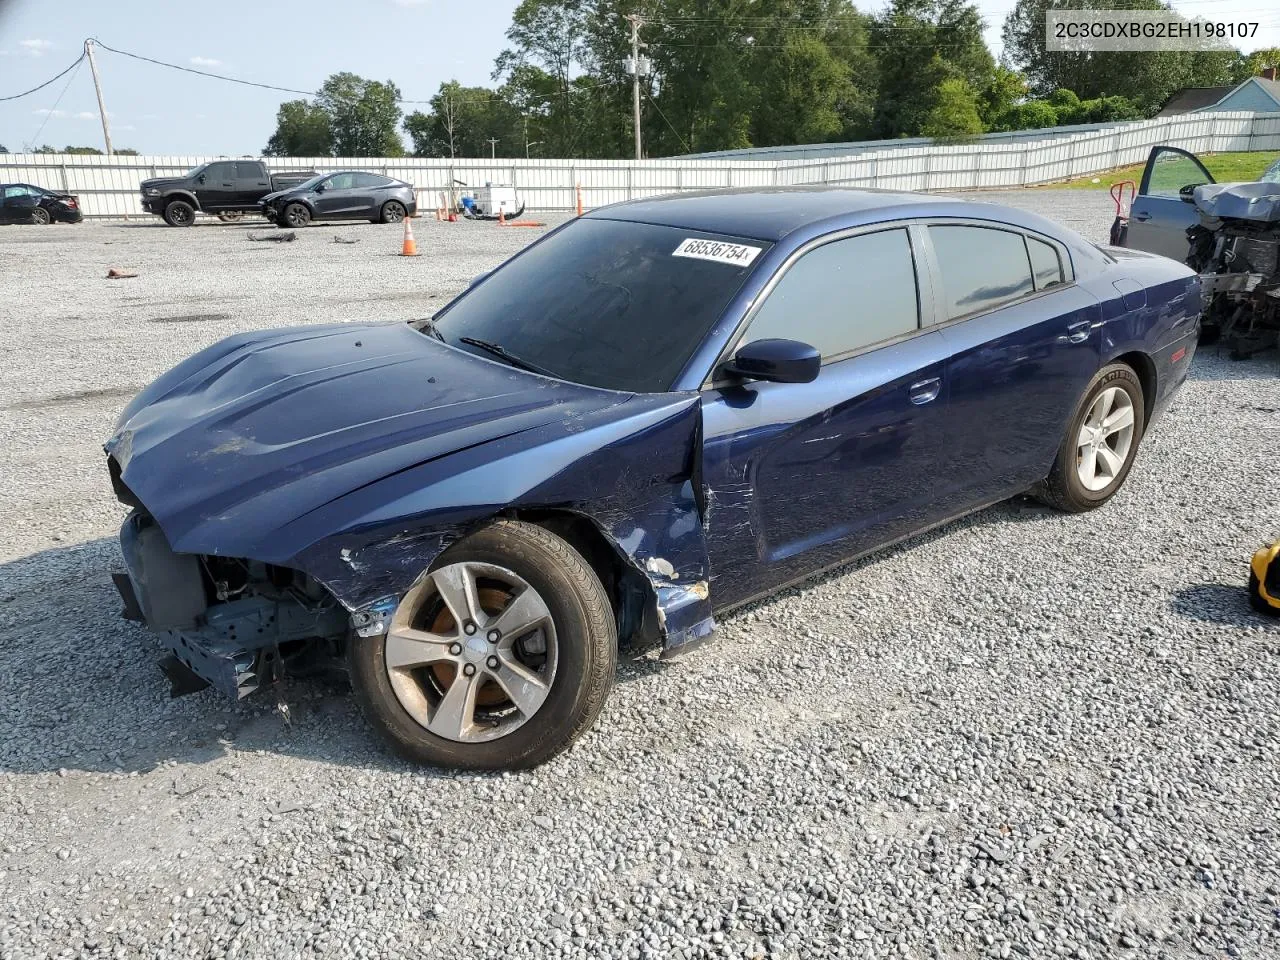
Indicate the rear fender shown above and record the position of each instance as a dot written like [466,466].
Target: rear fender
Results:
[635,479]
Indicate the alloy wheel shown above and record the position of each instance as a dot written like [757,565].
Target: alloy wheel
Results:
[471,652]
[1105,440]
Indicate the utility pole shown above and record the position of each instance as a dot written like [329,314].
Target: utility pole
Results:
[635,67]
[97,86]
[493,148]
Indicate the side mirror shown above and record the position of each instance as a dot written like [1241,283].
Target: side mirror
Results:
[477,278]
[200,179]
[319,188]
[778,361]
[1188,193]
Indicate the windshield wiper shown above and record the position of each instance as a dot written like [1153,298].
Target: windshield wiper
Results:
[498,350]
[429,328]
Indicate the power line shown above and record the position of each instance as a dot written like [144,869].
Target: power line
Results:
[36,139]
[682,140]
[27,93]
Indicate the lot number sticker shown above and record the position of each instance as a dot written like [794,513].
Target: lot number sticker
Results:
[736,254]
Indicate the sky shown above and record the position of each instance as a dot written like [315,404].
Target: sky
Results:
[291,43]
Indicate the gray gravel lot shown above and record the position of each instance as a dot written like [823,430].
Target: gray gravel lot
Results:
[1023,735]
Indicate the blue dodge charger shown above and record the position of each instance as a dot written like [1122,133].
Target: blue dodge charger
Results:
[656,413]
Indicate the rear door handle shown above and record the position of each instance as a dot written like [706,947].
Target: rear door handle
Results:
[1079,332]
[925,390]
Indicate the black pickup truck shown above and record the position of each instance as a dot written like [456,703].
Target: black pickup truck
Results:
[226,188]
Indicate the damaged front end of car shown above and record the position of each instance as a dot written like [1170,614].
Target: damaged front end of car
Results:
[281,509]
[232,624]
[1236,250]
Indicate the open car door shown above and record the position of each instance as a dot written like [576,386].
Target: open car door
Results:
[1163,210]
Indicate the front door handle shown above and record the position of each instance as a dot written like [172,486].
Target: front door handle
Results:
[1079,332]
[925,390]
[1142,217]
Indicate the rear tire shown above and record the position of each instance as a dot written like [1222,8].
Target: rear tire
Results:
[1100,445]
[392,211]
[294,215]
[40,217]
[579,654]
[179,213]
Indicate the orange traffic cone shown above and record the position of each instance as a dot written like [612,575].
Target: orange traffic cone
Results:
[579,189]
[502,218]
[410,248]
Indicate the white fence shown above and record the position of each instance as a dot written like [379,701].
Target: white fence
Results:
[108,186]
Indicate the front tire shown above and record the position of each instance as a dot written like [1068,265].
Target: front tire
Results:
[179,213]
[1101,443]
[499,658]
[295,215]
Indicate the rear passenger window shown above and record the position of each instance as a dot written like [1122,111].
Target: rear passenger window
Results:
[981,267]
[1045,265]
[370,180]
[250,171]
[844,295]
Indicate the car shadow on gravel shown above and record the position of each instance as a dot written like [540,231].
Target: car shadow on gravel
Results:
[80,688]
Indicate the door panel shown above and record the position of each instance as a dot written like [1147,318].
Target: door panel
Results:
[801,476]
[251,183]
[1159,218]
[1015,376]
[219,188]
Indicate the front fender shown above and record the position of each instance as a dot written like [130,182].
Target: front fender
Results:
[633,476]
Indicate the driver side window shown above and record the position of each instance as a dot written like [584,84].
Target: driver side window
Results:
[844,295]
[1171,171]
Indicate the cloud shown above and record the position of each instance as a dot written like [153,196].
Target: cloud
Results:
[36,48]
[86,115]
[124,127]
[205,62]
[46,112]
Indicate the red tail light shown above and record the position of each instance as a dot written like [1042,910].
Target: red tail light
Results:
[73,203]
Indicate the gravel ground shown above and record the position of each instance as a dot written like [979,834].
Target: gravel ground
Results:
[1023,735]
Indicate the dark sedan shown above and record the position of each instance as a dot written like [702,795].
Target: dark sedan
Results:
[346,195]
[658,412]
[24,203]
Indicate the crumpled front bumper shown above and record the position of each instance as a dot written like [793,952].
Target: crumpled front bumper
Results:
[235,645]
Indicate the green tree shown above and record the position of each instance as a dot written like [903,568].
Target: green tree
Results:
[954,112]
[1146,79]
[1006,89]
[461,122]
[1032,115]
[85,151]
[548,45]
[920,44]
[350,117]
[364,116]
[45,149]
[302,130]
[126,152]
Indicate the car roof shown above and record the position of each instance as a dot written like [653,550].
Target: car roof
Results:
[770,213]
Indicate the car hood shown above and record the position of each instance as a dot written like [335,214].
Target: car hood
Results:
[162,182]
[1258,201]
[259,429]
[275,195]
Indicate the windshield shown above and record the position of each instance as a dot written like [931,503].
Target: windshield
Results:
[306,184]
[195,171]
[1272,174]
[607,303]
